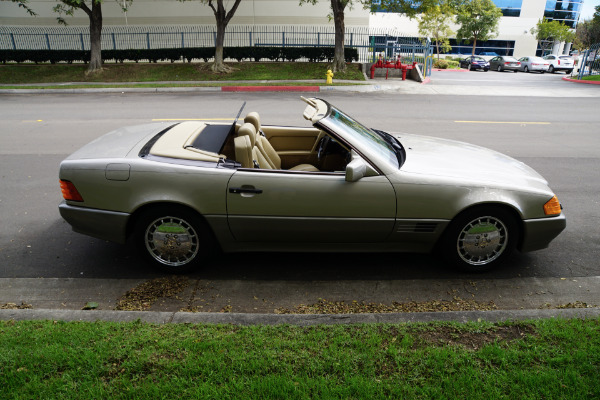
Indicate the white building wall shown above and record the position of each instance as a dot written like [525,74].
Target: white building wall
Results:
[509,28]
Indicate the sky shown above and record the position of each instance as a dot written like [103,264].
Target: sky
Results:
[587,10]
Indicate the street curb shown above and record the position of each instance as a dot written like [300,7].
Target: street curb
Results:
[581,81]
[293,319]
[270,88]
[357,88]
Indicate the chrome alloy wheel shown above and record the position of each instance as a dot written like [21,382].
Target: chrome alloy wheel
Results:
[171,241]
[482,240]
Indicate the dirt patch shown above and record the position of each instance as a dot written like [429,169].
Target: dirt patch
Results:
[340,307]
[473,340]
[577,304]
[144,295]
[14,306]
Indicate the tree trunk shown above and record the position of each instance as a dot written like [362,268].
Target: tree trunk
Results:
[339,59]
[474,45]
[95,16]
[219,65]
[222,18]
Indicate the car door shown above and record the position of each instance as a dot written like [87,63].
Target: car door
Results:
[309,207]
[494,63]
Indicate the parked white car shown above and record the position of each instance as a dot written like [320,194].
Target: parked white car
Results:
[537,64]
[560,63]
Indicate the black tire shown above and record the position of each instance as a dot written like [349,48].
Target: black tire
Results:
[525,69]
[174,239]
[551,69]
[515,71]
[480,238]
[499,69]
[569,72]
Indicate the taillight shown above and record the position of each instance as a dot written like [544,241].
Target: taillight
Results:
[69,191]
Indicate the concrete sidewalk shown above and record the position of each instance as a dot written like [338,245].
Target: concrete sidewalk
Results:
[261,301]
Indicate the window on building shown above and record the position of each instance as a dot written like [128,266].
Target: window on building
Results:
[564,11]
[510,8]
[500,47]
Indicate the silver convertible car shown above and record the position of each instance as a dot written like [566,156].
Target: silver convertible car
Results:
[185,191]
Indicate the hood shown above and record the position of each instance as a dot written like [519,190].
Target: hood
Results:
[463,161]
[120,142]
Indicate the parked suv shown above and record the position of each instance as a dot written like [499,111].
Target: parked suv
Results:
[560,63]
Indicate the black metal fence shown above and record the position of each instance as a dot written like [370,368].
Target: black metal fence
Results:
[368,41]
[590,63]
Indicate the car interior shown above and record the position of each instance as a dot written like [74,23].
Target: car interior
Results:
[303,149]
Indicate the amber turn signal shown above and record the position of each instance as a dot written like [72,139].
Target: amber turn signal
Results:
[69,191]
[552,207]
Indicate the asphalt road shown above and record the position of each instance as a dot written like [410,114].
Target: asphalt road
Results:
[556,136]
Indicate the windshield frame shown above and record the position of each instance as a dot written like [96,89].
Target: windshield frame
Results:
[369,143]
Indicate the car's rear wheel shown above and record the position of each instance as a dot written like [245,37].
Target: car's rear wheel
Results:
[480,238]
[174,239]
[526,69]
[499,68]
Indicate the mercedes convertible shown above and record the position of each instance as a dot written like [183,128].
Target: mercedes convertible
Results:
[184,191]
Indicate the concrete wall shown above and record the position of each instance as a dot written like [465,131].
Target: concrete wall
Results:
[173,12]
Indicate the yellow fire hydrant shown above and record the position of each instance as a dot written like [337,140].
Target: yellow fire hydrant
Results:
[329,77]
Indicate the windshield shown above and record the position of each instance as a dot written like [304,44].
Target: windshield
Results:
[368,139]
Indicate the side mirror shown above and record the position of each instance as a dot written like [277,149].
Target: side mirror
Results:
[355,170]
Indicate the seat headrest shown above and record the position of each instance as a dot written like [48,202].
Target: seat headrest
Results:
[254,119]
[247,129]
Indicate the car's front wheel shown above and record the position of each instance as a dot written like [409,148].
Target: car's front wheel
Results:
[551,69]
[480,238]
[173,239]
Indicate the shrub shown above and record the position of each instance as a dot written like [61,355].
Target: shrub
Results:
[313,54]
[441,64]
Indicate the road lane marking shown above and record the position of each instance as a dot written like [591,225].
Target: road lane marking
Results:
[504,122]
[193,119]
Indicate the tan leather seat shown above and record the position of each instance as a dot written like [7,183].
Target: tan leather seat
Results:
[246,151]
[267,150]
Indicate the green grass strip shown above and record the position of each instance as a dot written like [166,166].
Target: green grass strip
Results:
[176,72]
[591,78]
[549,359]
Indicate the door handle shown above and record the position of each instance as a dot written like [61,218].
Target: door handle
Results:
[245,190]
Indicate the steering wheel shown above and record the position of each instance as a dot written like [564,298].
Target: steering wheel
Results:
[323,147]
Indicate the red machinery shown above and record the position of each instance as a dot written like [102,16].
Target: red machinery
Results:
[381,63]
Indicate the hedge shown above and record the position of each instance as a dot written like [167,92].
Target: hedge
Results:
[313,54]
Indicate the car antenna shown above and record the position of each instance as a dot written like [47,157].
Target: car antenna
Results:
[232,130]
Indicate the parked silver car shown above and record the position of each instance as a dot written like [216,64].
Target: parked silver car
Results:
[505,63]
[184,190]
[534,64]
